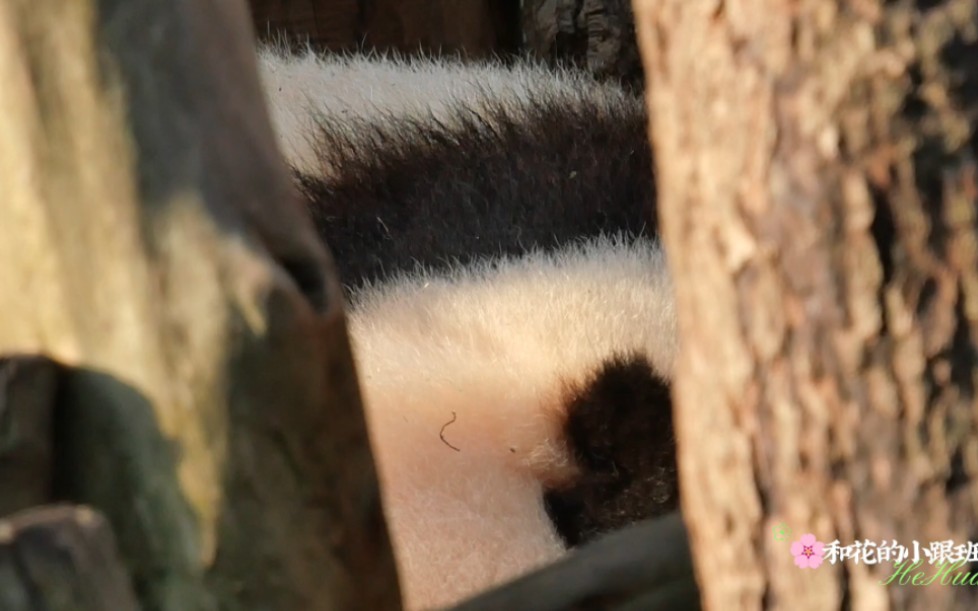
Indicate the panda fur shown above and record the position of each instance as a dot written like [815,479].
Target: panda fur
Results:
[510,311]
[500,161]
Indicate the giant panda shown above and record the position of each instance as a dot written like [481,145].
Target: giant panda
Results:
[509,308]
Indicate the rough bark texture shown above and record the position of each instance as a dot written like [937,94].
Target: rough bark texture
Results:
[476,28]
[61,559]
[149,241]
[598,35]
[817,196]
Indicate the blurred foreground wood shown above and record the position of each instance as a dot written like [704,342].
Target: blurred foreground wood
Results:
[817,179]
[28,394]
[61,559]
[149,244]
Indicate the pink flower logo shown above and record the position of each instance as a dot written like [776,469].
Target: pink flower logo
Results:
[808,552]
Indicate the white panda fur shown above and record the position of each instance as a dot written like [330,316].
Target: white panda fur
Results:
[493,347]
[358,89]
[467,369]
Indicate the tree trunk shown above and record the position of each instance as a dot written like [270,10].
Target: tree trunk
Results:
[149,241]
[818,202]
[597,35]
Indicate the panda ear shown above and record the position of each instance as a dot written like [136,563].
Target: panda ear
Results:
[619,432]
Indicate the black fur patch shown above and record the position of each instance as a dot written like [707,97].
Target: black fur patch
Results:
[619,429]
[537,176]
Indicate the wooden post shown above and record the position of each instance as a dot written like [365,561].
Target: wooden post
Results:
[149,242]
[61,559]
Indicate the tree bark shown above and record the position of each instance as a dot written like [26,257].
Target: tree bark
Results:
[149,241]
[818,202]
[597,35]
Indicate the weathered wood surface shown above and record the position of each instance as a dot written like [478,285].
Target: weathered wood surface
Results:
[817,183]
[61,558]
[149,242]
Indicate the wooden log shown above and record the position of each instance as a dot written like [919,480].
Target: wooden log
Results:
[150,234]
[61,558]
[646,566]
